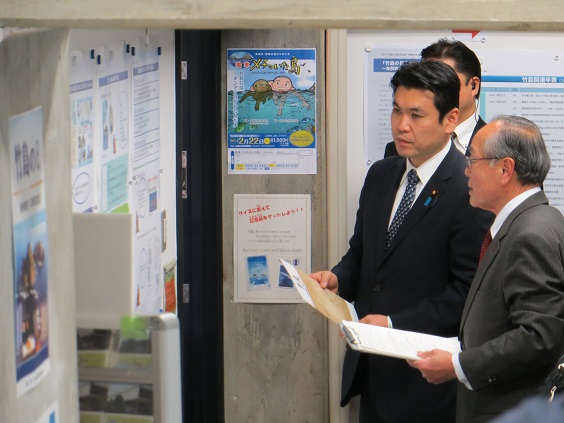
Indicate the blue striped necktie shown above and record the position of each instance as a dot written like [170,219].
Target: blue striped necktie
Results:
[404,205]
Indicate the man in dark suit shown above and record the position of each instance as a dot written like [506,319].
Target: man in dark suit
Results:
[512,330]
[414,275]
[467,66]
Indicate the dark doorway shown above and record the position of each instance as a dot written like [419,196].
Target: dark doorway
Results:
[199,223]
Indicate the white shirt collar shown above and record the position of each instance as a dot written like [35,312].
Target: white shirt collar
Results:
[427,169]
[509,207]
[464,132]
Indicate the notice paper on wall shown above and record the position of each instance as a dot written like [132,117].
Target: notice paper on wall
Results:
[267,227]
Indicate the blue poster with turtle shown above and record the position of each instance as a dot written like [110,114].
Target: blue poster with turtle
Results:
[271,111]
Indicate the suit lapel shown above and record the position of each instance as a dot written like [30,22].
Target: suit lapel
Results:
[493,250]
[482,269]
[392,181]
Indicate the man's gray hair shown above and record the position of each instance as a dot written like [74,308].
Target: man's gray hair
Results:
[521,140]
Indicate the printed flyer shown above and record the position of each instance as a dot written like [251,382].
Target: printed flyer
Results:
[271,111]
[82,74]
[29,220]
[268,228]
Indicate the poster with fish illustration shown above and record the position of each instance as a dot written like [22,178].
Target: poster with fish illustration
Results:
[271,111]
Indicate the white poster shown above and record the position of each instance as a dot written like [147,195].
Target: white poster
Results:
[267,228]
[145,161]
[114,92]
[148,292]
[381,64]
[82,74]
[516,80]
[31,251]
[146,104]
[529,83]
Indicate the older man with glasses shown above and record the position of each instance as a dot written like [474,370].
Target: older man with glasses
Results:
[512,330]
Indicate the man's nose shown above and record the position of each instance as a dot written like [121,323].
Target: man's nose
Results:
[403,123]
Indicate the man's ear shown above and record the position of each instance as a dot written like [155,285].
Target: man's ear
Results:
[475,85]
[451,120]
[507,170]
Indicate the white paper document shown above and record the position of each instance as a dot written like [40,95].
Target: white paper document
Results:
[393,342]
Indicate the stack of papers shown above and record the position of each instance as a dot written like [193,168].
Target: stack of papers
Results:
[393,342]
[361,336]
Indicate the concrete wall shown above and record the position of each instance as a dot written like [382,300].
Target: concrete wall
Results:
[276,354]
[523,15]
[34,72]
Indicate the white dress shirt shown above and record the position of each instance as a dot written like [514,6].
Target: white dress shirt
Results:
[425,171]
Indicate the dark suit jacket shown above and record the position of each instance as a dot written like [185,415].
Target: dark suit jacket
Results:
[391,150]
[421,281]
[512,329]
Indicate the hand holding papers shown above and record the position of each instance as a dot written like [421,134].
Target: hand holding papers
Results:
[327,303]
[361,336]
[392,342]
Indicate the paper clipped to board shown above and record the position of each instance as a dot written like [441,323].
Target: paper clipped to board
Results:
[393,342]
[326,302]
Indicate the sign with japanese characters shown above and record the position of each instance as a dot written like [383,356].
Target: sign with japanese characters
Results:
[268,228]
[271,115]
[31,251]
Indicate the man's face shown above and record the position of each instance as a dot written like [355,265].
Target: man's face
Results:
[484,175]
[467,102]
[418,134]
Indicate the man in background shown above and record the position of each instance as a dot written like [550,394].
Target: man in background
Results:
[410,266]
[467,66]
[512,330]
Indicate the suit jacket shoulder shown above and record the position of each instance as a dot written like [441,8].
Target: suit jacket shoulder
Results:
[390,150]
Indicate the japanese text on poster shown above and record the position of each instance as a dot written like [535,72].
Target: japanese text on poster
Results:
[271,104]
[30,249]
[82,76]
[145,195]
[267,228]
[524,82]
[114,91]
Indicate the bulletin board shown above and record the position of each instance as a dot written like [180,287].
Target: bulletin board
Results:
[522,74]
